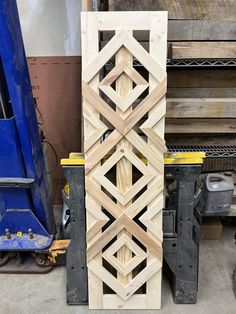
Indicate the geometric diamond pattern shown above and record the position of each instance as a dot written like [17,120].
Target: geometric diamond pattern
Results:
[122,197]
[123,103]
[140,255]
[131,246]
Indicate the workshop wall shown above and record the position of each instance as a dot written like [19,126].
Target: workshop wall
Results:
[204,29]
[51,33]
[50,28]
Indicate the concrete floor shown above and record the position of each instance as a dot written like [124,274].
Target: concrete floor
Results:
[23,294]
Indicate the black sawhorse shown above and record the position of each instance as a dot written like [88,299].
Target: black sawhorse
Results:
[181,227]
[76,264]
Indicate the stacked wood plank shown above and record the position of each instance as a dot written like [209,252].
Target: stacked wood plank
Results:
[124,213]
[199,101]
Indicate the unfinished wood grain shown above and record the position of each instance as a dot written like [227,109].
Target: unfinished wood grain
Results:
[121,194]
[201,30]
[200,125]
[146,104]
[123,222]
[196,78]
[146,150]
[201,108]
[116,22]
[132,262]
[201,50]
[102,199]
[97,102]
[195,50]
[123,38]
[90,48]
[193,30]
[122,198]
[201,139]
[184,9]
[201,92]
[100,220]
[136,302]
[125,291]
[124,87]
[87,5]
[126,100]
[157,50]
[147,217]
[154,188]
[99,128]
[99,152]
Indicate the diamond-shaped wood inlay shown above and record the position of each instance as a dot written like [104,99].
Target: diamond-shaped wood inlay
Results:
[123,103]
[122,197]
[124,269]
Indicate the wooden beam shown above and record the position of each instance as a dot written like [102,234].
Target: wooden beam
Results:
[188,30]
[201,108]
[200,139]
[210,78]
[90,49]
[200,126]
[184,9]
[201,92]
[211,50]
[201,30]
[195,50]
[87,5]
[124,86]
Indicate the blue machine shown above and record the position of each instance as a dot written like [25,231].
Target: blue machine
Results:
[26,214]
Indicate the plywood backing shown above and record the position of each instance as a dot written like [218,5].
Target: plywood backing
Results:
[55,82]
[124,253]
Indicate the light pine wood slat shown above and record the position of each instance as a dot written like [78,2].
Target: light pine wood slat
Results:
[124,86]
[89,50]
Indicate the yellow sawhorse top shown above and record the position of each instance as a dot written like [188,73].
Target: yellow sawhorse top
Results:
[183,158]
[75,159]
[186,158]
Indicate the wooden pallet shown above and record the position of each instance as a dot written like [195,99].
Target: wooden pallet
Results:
[124,216]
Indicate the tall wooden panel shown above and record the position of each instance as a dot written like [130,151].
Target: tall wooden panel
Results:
[123,112]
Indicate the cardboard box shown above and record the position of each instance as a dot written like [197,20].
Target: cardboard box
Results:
[211,228]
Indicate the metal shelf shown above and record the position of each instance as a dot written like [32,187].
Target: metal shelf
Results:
[189,63]
[202,63]
[211,151]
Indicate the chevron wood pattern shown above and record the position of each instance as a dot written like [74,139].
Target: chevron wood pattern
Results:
[124,110]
